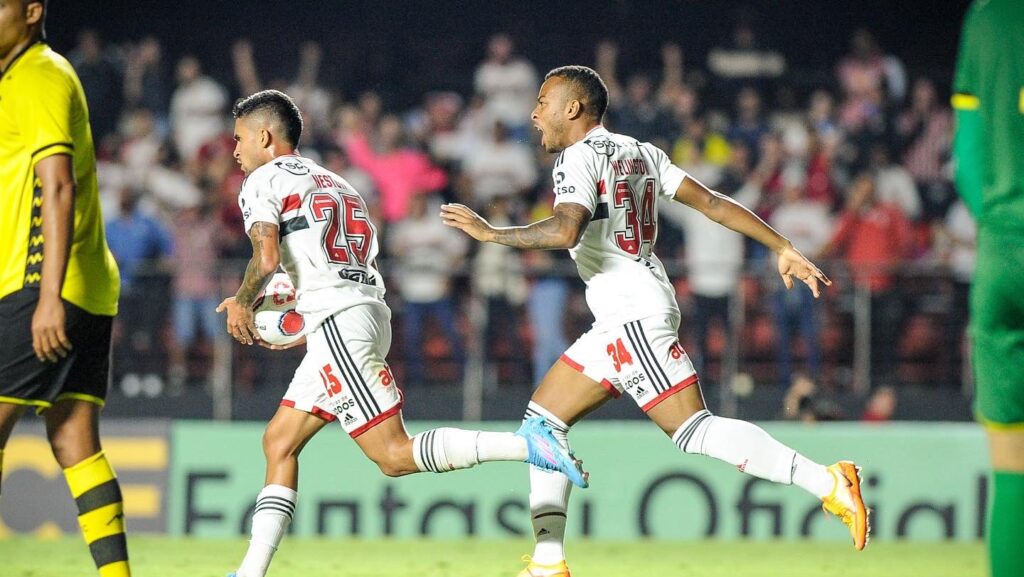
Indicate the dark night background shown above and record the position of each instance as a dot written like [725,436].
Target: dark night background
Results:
[404,48]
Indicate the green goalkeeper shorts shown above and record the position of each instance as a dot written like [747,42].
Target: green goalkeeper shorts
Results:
[997,329]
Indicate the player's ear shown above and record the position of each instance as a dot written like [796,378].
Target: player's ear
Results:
[574,109]
[33,13]
[264,138]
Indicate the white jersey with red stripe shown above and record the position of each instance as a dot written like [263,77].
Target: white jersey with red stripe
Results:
[328,244]
[619,180]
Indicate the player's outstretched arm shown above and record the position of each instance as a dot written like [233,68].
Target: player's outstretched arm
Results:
[562,230]
[735,216]
[266,257]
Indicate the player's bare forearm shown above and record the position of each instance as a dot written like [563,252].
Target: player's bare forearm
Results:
[58,187]
[263,264]
[563,230]
[730,214]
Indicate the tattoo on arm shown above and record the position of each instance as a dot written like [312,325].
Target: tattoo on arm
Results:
[562,230]
[254,279]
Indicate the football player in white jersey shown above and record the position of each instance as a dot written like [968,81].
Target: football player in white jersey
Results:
[314,224]
[607,187]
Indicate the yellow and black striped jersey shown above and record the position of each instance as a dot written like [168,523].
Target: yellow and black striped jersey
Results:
[43,112]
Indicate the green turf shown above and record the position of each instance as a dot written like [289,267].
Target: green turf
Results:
[164,557]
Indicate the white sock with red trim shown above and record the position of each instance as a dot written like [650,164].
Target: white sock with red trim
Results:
[750,449]
[549,497]
[447,449]
[275,506]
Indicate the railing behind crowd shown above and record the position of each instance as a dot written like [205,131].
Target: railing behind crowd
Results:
[761,352]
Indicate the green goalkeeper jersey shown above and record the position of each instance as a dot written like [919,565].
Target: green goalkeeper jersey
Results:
[989,102]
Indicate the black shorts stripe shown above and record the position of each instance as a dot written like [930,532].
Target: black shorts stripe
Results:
[360,403]
[109,549]
[330,336]
[551,514]
[659,385]
[357,384]
[347,356]
[101,495]
[645,342]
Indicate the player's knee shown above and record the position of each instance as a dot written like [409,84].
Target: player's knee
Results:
[395,460]
[278,448]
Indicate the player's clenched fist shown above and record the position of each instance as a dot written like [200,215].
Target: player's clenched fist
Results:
[464,219]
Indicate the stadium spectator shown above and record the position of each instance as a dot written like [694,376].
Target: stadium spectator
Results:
[798,403]
[437,128]
[925,131]
[146,84]
[140,243]
[311,97]
[398,171]
[197,108]
[960,252]
[881,406]
[822,114]
[743,62]
[874,238]
[101,72]
[136,239]
[714,263]
[698,145]
[509,85]
[867,70]
[497,276]
[549,293]
[498,168]
[748,125]
[894,182]
[244,63]
[807,225]
[196,236]
[427,255]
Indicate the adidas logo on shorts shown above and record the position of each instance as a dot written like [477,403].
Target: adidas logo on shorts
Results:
[349,419]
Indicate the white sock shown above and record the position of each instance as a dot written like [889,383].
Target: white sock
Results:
[275,506]
[750,449]
[812,477]
[446,449]
[549,497]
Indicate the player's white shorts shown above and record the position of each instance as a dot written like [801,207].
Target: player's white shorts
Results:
[344,375]
[643,358]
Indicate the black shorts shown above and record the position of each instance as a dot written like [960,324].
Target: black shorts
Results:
[25,380]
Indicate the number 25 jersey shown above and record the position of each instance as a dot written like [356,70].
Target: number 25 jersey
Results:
[328,244]
[619,179]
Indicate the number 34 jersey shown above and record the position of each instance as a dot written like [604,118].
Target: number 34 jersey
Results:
[328,244]
[619,180]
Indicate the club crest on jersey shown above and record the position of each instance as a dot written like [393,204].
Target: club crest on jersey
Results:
[292,167]
[602,146]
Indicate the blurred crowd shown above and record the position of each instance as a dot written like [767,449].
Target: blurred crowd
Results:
[856,173]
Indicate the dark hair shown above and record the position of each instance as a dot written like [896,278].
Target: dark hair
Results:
[587,85]
[276,103]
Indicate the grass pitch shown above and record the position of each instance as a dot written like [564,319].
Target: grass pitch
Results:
[166,557]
